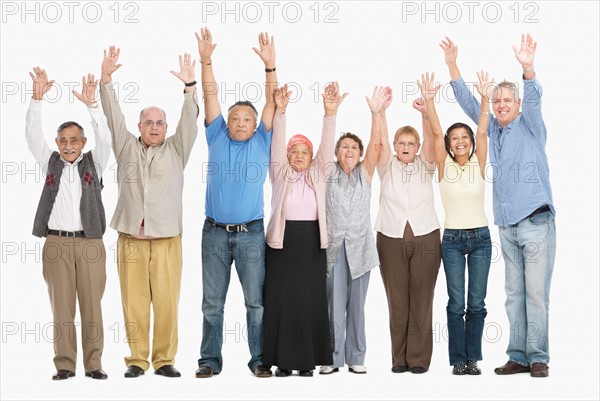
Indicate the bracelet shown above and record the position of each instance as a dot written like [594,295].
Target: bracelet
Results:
[484,112]
[270,69]
[191,83]
[208,63]
[527,69]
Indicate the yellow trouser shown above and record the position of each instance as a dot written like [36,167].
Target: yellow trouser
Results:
[150,273]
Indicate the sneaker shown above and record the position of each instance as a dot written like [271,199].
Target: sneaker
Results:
[459,369]
[357,369]
[326,370]
[472,368]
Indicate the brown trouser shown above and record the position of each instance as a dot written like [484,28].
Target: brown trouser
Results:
[409,269]
[76,267]
[150,273]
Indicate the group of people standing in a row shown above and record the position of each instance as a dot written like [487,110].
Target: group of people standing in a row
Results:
[305,281]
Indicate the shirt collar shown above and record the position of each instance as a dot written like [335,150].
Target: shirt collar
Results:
[75,163]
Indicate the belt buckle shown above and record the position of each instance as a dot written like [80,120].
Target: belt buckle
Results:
[228,226]
[66,234]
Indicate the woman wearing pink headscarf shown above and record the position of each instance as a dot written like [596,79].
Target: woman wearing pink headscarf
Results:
[296,322]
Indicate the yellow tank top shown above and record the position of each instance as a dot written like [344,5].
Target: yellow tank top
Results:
[462,190]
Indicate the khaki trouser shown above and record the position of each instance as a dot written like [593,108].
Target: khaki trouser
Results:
[409,269]
[76,267]
[150,273]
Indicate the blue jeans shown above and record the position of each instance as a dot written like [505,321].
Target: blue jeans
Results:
[219,249]
[528,248]
[475,248]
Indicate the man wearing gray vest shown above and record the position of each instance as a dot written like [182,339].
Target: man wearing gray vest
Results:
[148,217]
[70,215]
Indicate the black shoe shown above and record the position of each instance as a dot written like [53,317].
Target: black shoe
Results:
[133,371]
[62,374]
[418,370]
[280,372]
[262,371]
[97,374]
[400,369]
[460,369]
[305,373]
[472,368]
[168,371]
[204,371]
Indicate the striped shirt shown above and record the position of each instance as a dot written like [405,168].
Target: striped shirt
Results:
[517,154]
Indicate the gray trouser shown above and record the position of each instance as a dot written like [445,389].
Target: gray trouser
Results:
[346,298]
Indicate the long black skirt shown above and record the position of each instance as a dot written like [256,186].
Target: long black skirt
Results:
[296,322]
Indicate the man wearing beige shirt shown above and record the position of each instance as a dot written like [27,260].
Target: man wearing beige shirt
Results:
[148,217]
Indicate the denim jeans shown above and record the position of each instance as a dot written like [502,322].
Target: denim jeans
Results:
[528,248]
[219,249]
[475,248]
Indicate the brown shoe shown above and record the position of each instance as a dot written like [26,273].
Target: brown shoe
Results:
[539,369]
[510,368]
[63,374]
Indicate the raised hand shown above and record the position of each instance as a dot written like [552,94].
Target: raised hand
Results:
[41,85]
[450,51]
[205,45]
[187,69]
[428,87]
[332,98]
[88,92]
[485,86]
[282,97]
[420,105]
[379,99]
[526,53]
[109,63]
[267,49]
[388,97]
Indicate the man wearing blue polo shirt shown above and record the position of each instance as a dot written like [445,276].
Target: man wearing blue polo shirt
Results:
[238,158]
[523,206]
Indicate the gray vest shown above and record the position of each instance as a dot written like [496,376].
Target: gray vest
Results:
[349,220]
[91,208]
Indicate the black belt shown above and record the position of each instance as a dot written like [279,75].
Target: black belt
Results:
[539,210]
[68,234]
[233,228]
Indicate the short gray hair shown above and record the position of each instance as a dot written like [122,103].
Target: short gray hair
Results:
[67,125]
[150,108]
[507,85]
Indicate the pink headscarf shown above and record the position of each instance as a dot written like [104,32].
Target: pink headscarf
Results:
[299,138]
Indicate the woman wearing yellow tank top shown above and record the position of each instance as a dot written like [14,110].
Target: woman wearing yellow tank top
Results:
[461,173]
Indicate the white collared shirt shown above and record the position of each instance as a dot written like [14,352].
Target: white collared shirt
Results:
[65,212]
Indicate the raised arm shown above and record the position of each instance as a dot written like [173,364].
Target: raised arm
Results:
[110,104]
[428,92]
[485,89]
[33,120]
[450,55]
[427,145]
[525,55]
[210,90]
[101,151]
[331,101]
[267,55]
[386,150]
[187,128]
[380,96]
[278,144]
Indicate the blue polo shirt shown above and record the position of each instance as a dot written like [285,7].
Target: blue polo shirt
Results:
[517,154]
[235,174]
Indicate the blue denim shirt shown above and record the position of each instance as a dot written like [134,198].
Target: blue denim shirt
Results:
[517,154]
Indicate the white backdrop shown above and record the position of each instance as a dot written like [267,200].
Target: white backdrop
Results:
[360,44]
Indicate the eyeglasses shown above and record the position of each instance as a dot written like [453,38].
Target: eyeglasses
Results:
[406,144]
[159,123]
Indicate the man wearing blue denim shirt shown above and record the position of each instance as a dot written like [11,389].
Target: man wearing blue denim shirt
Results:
[523,206]
[239,151]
